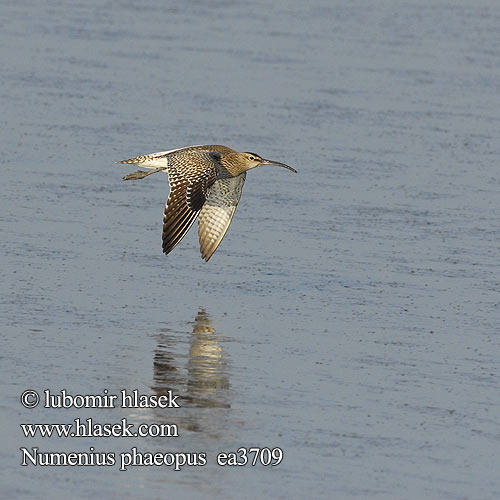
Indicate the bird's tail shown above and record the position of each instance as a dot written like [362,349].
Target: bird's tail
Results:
[137,160]
[155,160]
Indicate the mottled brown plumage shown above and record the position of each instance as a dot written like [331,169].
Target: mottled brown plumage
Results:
[205,183]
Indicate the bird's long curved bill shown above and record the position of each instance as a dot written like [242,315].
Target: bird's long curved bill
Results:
[278,164]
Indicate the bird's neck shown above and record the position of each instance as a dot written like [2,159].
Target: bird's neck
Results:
[233,164]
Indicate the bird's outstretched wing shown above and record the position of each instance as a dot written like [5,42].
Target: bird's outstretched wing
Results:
[190,173]
[217,213]
[178,216]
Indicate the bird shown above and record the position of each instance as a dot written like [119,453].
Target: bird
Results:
[205,184]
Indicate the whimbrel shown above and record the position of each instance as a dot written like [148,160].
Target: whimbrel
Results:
[205,182]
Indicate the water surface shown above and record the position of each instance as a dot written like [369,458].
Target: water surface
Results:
[350,316]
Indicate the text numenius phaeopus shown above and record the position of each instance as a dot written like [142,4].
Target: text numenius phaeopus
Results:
[205,183]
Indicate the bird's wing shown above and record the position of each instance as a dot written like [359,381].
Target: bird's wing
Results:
[178,217]
[197,190]
[190,176]
[217,213]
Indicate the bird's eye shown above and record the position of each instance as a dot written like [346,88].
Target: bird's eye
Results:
[251,158]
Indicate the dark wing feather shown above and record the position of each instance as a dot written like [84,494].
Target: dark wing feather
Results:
[191,173]
[197,191]
[178,217]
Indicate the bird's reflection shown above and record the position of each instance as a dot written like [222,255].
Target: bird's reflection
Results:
[202,381]
[207,375]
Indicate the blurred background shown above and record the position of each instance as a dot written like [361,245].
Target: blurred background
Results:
[350,316]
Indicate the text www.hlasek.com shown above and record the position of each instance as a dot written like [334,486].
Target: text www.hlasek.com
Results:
[89,428]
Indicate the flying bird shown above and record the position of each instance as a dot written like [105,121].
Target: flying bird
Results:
[205,183]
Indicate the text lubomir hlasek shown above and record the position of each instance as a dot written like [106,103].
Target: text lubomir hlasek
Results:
[106,400]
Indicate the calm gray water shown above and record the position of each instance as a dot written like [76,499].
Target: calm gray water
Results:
[350,316]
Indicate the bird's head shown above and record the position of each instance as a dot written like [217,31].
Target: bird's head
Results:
[241,162]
